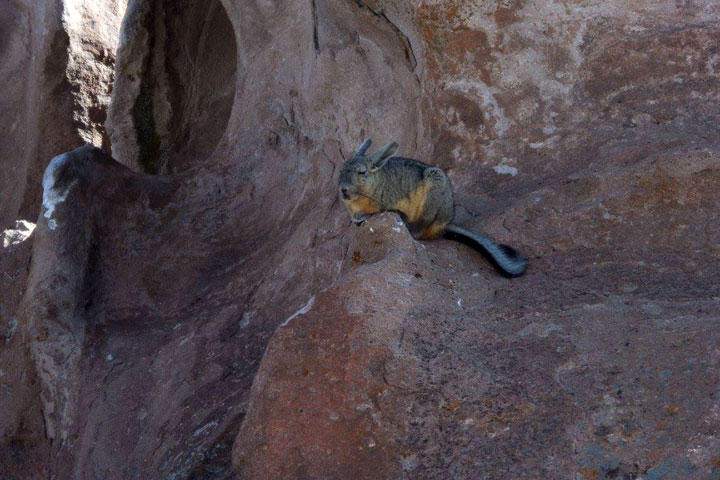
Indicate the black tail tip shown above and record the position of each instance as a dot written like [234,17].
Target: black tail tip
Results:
[517,265]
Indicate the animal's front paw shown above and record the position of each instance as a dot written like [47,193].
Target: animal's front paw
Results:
[359,218]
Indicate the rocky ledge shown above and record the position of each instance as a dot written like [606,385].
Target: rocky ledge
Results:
[194,303]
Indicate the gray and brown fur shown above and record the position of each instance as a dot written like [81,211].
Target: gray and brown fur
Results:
[420,193]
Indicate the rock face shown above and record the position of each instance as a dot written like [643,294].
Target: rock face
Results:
[57,60]
[176,84]
[201,308]
[56,74]
[22,443]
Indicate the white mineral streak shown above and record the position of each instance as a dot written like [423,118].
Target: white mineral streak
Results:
[302,311]
[13,236]
[53,196]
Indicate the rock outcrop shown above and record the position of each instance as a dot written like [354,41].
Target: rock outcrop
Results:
[198,306]
[22,442]
[56,68]
[57,61]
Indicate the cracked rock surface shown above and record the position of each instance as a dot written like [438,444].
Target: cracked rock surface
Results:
[57,73]
[197,305]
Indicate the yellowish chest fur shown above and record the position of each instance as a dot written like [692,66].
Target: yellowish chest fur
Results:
[362,205]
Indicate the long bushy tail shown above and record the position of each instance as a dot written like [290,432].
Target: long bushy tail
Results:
[505,259]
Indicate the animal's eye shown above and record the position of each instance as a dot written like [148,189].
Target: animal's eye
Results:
[362,170]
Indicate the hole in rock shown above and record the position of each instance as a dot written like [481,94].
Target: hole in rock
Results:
[188,86]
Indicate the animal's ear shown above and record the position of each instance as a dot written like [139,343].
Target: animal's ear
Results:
[363,148]
[380,157]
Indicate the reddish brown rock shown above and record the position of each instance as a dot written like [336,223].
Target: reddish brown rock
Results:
[603,167]
[583,134]
[128,361]
[420,363]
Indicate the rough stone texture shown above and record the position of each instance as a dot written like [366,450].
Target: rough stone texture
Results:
[594,128]
[583,133]
[176,86]
[14,56]
[56,68]
[420,364]
[22,442]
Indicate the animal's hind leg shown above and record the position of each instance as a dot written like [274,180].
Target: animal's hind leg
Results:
[434,230]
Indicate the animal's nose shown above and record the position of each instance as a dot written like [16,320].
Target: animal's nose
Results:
[344,190]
